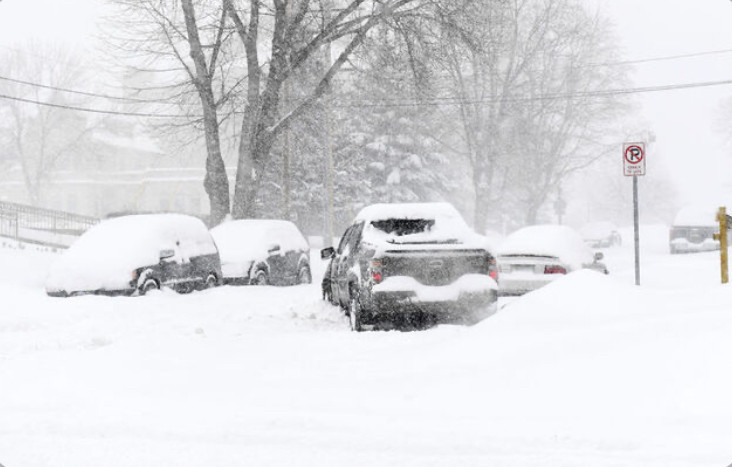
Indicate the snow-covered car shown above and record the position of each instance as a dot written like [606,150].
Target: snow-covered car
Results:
[536,255]
[693,230]
[601,234]
[409,262]
[136,254]
[263,251]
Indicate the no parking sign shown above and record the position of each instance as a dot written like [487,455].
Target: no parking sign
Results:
[634,159]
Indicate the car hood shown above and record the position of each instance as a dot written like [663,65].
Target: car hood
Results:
[80,274]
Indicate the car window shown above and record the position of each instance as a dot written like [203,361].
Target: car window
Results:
[353,238]
[401,227]
[344,240]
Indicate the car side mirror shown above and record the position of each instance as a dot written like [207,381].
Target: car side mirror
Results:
[166,254]
[598,256]
[274,248]
[327,253]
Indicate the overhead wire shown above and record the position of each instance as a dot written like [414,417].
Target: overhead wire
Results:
[397,102]
[91,110]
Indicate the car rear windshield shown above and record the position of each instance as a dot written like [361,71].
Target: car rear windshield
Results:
[399,227]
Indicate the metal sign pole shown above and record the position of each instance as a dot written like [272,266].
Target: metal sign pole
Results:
[636,234]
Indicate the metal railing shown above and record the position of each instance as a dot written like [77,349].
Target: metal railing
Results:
[43,226]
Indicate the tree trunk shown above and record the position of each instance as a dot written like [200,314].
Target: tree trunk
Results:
[216,182]
[479,208]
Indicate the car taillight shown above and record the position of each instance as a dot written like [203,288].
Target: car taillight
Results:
[492,268]
[554,270]
[135,275]
[376,273]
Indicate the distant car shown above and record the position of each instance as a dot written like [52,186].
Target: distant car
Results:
[601,235]
[135,254]
[534,256]
[263,251]
[406,263]
[693,230]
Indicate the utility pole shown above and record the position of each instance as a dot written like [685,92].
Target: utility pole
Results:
[286,152]
[329,182]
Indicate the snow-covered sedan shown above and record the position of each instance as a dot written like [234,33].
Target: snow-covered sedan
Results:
[536,255]
[693,230]
[136,254]
[412,262]
[262,251]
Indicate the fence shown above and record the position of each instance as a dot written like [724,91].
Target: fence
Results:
[43,226]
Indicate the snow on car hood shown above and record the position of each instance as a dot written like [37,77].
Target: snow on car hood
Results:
[548,240]
[105,256]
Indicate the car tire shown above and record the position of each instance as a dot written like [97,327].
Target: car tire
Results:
[304,276]
[354,313]
[149,285]
[211,281]
[260,278]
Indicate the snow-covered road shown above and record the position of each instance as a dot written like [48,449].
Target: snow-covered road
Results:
[590,370]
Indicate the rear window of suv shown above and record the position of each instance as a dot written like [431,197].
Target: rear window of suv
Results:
[399,227]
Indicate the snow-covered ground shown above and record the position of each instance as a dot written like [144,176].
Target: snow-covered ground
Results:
[589,370]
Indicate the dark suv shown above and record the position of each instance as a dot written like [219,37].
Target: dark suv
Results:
[404,263]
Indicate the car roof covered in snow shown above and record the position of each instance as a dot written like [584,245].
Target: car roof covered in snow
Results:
[558,241]
[446,226]
[696,216]
[384,211]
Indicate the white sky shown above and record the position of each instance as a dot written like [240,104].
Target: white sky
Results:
[687,146]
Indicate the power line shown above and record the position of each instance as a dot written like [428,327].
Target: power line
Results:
[438,101]
[83,93]
[90,110]
[435,101]
[663,58]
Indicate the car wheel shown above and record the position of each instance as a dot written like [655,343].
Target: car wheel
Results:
[354,313]
[304,276]
[260,278]
[211,281]
[148,285]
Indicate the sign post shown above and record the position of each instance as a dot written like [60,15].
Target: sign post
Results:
[634,165]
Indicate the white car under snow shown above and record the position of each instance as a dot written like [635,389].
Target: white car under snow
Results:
[536,255]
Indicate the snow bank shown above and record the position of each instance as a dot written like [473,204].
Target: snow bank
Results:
[556,241]
[589,370]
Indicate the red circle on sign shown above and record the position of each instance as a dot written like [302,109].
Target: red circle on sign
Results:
[634,154]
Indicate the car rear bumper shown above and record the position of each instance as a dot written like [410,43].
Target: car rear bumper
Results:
[460,299]
[521,285]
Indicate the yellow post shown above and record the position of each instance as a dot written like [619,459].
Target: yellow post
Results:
[722,237]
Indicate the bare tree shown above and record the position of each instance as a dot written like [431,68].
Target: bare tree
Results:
[182,54]
[511,67]
[277,37]
[300,28]
[40,138]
